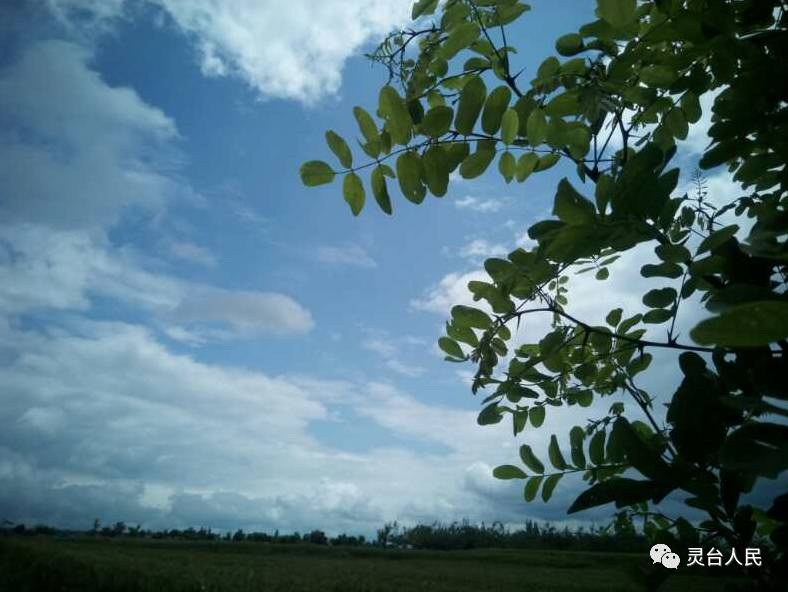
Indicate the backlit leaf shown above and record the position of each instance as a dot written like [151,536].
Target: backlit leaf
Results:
[316,172]
[353,191]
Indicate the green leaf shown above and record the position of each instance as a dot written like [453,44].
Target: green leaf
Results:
[757,447]
[571,207]
[509,13]
[668,270]
[494,107]
[396,114]
[614,449]
[436,170]
[658,76]
[567,103]
[602,274]
[613,318]
[340,148]
[584,398]
[748,325]
[556,458]
[451,347]
[537,127]
[519,419]
[316,172]
[422,8]
[457,152]
[640,455]
[677,123]
[526,165]
[596,449]
[549,486]
[569,45]
[691,107]
[472,98]
[617,13]
[379,189]
[467,316]
[532,488]
[659,298]
[536,415]
[437,121]
[460,37]
[353,191]
[717,238]
[658,315]
[507,165]
[548,68]
[367,125]
[490,415]
[673,253]
[409,170]
[622,491]
[547,161]
[576,437]
[509,472]
[530,460]
[509,126]
[475,164]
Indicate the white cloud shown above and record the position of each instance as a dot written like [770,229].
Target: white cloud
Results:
[295,51]
[246,312]
[452,289]
[43,269]
[75,154]
[390,350]
[191,253]
[66,133]
[382,347]
[477,204]
[86,16]
[347,255]
[482,249]
[103,420]
[406,369]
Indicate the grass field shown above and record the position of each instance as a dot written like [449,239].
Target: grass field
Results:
[41,564]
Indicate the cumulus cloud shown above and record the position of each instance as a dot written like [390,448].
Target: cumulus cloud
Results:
[43,269]
[106,412]
[391,350]
[451,289]
[480,205]
[66,133]
[412,371]
[75,155]
[296,52]
[346,255]
[246,312]
[479,249]
[191,253]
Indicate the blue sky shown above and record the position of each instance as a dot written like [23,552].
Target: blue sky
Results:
[190,337]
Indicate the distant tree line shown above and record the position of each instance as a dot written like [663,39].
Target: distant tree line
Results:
[620,535]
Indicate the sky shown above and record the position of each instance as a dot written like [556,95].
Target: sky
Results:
[189,337]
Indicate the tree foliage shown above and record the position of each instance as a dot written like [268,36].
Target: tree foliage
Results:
[614,102]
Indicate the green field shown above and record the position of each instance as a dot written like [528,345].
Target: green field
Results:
[40,564]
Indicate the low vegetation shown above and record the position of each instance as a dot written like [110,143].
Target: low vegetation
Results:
[47,564]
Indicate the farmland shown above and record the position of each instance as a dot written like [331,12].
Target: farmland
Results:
[44,564]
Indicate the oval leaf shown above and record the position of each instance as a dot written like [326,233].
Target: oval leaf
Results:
[353,192]
[316,172]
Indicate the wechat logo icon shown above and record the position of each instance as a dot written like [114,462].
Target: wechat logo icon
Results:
[662,554]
